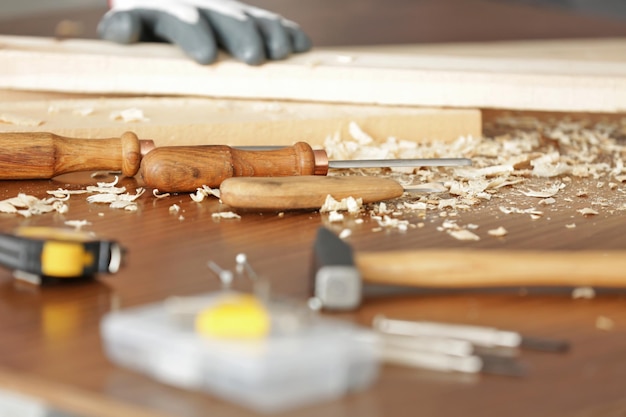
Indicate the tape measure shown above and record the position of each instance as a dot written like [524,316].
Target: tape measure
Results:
[58,253]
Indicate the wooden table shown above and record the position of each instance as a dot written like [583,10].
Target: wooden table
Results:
[52,349]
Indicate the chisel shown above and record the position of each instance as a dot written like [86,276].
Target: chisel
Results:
[186,168]
[42,155]
[304,192]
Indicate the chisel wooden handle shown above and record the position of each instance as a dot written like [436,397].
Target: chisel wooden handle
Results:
[185,168]
[304,192]
[494,268]
[35,155]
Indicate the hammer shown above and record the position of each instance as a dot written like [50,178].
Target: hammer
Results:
[339,275]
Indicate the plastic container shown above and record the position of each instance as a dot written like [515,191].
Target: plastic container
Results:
[323,361]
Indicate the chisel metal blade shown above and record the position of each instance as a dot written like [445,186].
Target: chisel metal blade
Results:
[398,163]
[373,163]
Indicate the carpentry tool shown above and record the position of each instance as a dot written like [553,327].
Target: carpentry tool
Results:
[338,274]
[186,168]
[36,253]
[37,155]
[440,361]
[304,192]
[482,336]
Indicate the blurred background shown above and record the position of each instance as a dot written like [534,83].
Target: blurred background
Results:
[369,22]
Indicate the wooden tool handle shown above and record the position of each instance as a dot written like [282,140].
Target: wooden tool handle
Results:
[185,168]
[304,192]
[482,268]
[35,155]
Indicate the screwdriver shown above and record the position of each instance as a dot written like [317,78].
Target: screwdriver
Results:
[187,168]
[42,155]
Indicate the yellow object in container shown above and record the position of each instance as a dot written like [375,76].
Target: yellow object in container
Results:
[235,317]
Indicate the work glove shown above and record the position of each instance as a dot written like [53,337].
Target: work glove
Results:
[200,27]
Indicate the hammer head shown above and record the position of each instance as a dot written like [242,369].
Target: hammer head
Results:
[336,281]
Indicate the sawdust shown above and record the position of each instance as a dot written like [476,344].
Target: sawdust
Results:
[349,204]
[204,192]
[499,232]
[605,323]
[28,205]
[506,166]
[130,115]
[225,215]
[107,193]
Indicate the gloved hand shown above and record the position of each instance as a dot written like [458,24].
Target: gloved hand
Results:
[200,27]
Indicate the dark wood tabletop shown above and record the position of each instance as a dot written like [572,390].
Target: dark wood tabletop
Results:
[51,345]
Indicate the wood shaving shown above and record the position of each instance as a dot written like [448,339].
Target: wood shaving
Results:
[63,194]
[349,204]
[225,215]
[113,196]
[605,323]
[588,212]
[28,205]
[447,203]
[463,234]
[389,222]
[546,192]
[515,210]
[14,119]
[156,194]
[499,232]
[529,151]
[359,135]
[583,292]
[102,198]
[133,114]
[335,216]
[345,233]
[77,224]
[429,187]
[419,205]
[105,190]
[203,192]
[547,201]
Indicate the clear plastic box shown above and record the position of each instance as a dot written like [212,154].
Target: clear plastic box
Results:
[321,362]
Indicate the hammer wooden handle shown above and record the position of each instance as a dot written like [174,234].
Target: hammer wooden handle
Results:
[35,155]
[482,268]
[304,192]
[186,168]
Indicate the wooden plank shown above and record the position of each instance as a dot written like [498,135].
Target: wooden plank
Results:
[86,66]
[194,121]
[599,50]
